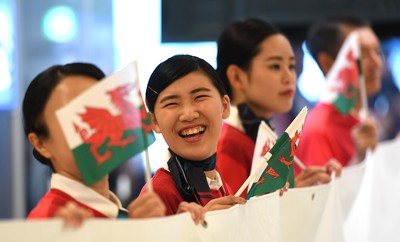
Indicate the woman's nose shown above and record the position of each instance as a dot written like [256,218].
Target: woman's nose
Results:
[289,76]
[189,113]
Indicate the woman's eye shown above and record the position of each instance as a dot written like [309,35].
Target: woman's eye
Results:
[201,97]
[274,67]
[169,105]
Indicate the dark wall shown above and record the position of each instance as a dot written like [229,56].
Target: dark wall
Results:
[203,20]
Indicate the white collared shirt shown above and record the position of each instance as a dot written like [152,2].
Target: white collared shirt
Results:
[84,194]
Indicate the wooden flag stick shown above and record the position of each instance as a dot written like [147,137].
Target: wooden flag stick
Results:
[147,171]
[299,163]
[364,102]
[255,172]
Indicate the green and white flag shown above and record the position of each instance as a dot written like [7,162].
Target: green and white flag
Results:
[107,124]
[279,159]
[266,139]
[343,84]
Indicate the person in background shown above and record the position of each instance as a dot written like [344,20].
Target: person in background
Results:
[187,103]
[327,133]
[257,65]
[68,197]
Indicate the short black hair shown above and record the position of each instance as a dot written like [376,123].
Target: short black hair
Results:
[39,91]
[239,43]
[326,35]
[174,68]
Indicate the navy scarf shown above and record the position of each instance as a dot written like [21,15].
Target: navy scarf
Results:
[250,121]
[190,179]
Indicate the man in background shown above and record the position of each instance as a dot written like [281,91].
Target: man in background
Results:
[328,134]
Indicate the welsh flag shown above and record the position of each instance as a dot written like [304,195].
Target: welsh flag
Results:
[107,124]
[266,139]
[279,159]
[343,83]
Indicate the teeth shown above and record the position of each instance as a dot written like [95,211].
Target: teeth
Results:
[193,131]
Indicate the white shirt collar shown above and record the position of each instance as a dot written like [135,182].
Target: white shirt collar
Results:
[234,119]
[213,184]
[87,196]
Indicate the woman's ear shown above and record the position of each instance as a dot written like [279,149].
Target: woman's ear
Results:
[39,145]
[156,128]
[226,104]
[325,62]
[235,77]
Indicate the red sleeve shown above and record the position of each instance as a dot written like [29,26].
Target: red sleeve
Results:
[234,157]
[54,200]
[314,148]
[48,205]
[165,187]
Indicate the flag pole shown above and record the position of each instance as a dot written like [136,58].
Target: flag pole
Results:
[364,112]
[299,163]
[147,170]
[265,158]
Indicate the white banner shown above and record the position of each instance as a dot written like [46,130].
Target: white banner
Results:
[361,206]
[301,212]
[258,220]
[376,212]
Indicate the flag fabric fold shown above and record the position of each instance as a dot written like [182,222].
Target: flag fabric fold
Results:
[343,84]
[266,139]
[107,124]
[279,159]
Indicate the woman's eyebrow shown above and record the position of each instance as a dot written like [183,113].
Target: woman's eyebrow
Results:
[279,58]
[200,89]
[167,98]
[194,91]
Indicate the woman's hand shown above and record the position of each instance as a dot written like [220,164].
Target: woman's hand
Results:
[224,202]
[334,166]
[284,189]
[312,175]
[196,211]
[73,215]
[365,136]
[147,205]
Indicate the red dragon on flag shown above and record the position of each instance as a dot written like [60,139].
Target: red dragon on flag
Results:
[107,125]
[111,127]
[279,160]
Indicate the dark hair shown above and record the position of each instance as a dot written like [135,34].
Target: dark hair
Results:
[174,68]
[39,91]
[239,44]
[327,34]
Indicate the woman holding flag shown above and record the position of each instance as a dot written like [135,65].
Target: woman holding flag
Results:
[187,103]
[68,197]
[257,65]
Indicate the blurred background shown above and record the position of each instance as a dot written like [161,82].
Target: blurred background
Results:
[111,33]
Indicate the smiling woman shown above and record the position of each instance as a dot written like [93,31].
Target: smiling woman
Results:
[191,111]
[187,102]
